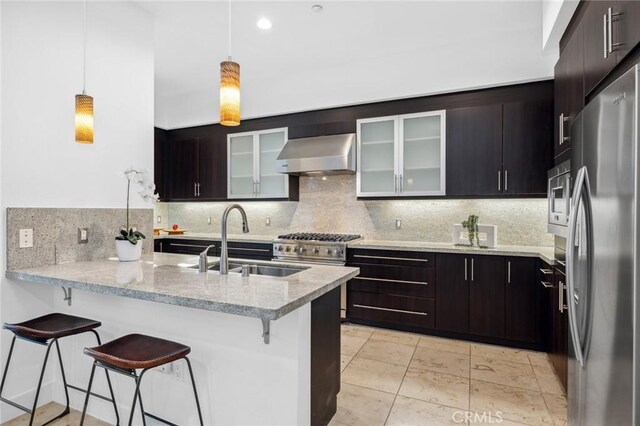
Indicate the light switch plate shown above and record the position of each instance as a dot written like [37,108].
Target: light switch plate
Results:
[159,219]
[26,238]
[398,223]
[267,221]
[83,235]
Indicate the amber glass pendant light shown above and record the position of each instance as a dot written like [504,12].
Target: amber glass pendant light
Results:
[84,102]
[229,87]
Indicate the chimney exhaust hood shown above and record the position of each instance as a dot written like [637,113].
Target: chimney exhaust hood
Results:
[322,155]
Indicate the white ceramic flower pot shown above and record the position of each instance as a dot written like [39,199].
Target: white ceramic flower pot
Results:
[128,252]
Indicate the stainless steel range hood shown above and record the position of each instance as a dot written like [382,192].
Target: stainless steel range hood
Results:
[321,155]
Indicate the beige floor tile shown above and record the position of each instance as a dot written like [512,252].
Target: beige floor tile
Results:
[350,345]
[362,406]
[440,361]
[395,336]
[50,410]
[548,380]
[500,352]
[515,404]
[557,406]
[438,388]
[539,358]
[503,372]
[442,344]
[356,330]
[374,375]
[409,411]
[382,350]
[344,361]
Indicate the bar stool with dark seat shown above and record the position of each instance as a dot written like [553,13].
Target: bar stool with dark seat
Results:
[136,351]
[46,331]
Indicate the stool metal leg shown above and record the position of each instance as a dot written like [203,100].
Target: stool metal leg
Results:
[137,396]
[86,398]
[195,391]
[106,372]
[44,367]
[64,378]
[6,367]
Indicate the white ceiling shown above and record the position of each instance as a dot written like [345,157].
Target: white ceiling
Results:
[352,52]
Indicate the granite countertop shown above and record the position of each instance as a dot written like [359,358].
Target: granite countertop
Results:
[168,278]
[250,238]
[544,253]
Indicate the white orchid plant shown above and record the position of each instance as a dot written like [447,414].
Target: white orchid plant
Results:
[147,192]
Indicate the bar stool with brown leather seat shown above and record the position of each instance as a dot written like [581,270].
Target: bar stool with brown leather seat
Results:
[132,352]
[46,331]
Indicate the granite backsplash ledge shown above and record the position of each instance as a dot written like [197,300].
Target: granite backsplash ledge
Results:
[55,234]
[331,205]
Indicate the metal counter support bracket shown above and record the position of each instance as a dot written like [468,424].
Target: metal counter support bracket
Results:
[265,330]
[67,295]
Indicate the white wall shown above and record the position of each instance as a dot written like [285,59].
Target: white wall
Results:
[556,15]
[40,164]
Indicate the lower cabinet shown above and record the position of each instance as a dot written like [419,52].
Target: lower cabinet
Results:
[236,249]
[394,288]
[560,325]
[479,297]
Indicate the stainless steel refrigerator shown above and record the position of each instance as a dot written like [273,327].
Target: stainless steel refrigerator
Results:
[602,259]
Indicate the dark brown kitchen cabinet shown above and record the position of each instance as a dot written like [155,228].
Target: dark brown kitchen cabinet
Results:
[522,321]
[628,26]
[487,296]
[195,169]
[452,293]
[547,296]
[559,354]
[569,89]
[394,288]
[474,151]
[527,147]
[598,61]
[159,141]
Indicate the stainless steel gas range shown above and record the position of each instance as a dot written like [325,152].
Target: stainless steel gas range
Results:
[315,248]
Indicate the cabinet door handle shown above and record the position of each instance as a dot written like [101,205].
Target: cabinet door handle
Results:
[195,189]
[506,180]
[389,280]
[365,256]
[509,272]
[546,271]
[546,284]
[198,189]
[465,268]
[499,180]
[604,35]
[401,184]
[561,129]
[472,269]
[561,306]
[377,308]
[395,183]
[611,45]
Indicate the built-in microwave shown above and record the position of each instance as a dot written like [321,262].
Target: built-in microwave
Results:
[559,198]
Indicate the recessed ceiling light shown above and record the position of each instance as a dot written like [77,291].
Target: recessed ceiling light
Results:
[264,24]
[317,8]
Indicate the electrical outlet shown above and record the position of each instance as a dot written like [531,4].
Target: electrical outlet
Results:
[159,219]
[26,238]
[209,220]
[267,221]
[398,223]
[83,235]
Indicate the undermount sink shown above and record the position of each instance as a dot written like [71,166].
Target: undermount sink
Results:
[270,270]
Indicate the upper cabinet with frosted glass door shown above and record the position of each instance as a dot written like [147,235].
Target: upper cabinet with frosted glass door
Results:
[402,155]
[251,165]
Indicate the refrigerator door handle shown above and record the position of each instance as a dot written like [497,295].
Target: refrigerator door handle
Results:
[581,194]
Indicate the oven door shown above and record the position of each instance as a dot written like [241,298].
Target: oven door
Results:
[559,204]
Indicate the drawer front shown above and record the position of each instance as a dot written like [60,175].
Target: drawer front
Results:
[244,250]
[180,246]
[390,257]
[395,272]
[423,286]
[392,309]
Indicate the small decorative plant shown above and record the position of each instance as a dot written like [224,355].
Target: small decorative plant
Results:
[147,192]
[471,224]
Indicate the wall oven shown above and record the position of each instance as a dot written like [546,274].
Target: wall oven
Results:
[559,198]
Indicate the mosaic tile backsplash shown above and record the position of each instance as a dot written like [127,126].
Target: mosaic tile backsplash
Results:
[331,206]
[55,234]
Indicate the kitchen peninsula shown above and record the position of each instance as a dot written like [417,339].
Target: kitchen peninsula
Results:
[291,380]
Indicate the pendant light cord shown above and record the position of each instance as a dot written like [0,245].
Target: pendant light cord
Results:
[229,37]
[84,47]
